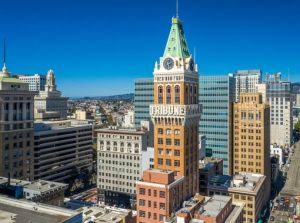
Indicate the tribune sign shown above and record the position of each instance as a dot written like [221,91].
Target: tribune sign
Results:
[174,110]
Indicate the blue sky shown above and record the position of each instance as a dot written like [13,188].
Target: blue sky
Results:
[98,47]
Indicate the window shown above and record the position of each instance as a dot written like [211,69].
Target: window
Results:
[176,163]
[160,131]
[142,214]
[168,141]
[177,132]
[168,94]
[177,94]
[160,141]
[177,142]
[176,152]
[142,202]
[162,194]
[142,191]
[168,131]
[162,206]
[168,162]
[160,95]
[160,161]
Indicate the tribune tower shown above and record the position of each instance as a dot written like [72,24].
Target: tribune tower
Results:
[176,112]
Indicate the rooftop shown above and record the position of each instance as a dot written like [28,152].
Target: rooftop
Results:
[247,182]
[20,211]
[214,206]
[38,185]
[115,129]
[105,214]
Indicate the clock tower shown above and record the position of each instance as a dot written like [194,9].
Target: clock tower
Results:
[176,112]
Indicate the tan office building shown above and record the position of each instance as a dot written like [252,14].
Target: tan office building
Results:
[251,147]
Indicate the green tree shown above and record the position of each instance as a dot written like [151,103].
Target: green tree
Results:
[297,126]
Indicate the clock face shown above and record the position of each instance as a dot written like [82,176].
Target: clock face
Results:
[168,63]
[192,65]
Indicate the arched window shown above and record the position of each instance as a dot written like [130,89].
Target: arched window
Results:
[168,94]
[177,94]
[160,94]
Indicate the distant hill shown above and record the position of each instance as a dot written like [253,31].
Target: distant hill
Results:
[120,97]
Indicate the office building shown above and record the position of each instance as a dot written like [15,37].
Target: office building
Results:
[16,135]
[36,82]
[143,97]
[120,164]
[175,114]
[251,125]
[250,189]
[62,149]
[246,81]
[280,101]
[216,95]
[50,100]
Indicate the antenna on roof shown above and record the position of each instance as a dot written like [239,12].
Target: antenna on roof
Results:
[177,9]
[4,52]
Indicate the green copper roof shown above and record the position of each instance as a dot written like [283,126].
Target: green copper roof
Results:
[10,80]
[176,45]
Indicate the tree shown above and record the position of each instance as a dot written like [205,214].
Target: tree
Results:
[297,126]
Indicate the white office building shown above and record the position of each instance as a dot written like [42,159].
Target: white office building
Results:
[120,164]
[36,82]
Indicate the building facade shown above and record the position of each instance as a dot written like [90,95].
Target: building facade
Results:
[280,100]
[251,125]
[143,97]
[175,114]
[62,149]
[119,165]
[36,82]
[216,95]
[16,135]
[50,100]
[246,81]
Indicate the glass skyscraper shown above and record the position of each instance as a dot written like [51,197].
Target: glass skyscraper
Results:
[216,95]
[143,97]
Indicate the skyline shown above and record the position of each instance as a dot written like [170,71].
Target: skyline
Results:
[119,52]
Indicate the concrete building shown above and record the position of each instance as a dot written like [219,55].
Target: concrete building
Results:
[106,214]
[61,149]
[175,114]
[16,135]
[80,115]
[280,100]
[50,100]
[251,125]
[216,95]
[159,194]
[143,97]
[250,189]
[41,191]
[14,210]
[120,155]
[36,82]
[246,81]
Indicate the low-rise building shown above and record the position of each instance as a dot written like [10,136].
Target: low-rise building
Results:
[46,192]
[250,189]
[159,195]
[218,185]
[216,209]
[106,214]
[62,149]
[15,210]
